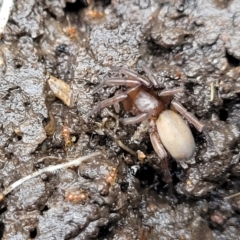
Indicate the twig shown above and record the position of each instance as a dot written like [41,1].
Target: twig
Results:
[232,196]
[5,11]
[212,88]
[51,168]
[126,148]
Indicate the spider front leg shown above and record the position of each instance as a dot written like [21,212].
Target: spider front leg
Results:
[133,75]
[136,119]
[160,150]
[195,122]
[117,82]
[151,76]
[171,92]
[153,80]
[108,102]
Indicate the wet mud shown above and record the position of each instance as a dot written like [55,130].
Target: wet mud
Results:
[118,195]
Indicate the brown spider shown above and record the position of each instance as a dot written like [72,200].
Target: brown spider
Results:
[167,129]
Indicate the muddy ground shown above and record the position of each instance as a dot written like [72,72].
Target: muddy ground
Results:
[187,43]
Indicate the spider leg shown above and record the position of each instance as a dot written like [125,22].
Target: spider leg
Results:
[171,92]
[107,102]
[155,140]
[131,120]
[150,76]
[117,105]
[160,150]
[189,116]
[135,76]
[196,123]
[117,82]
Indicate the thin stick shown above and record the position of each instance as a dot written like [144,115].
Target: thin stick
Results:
[51,168]
[212,88]
[232,196]
[126,148]
[5,11]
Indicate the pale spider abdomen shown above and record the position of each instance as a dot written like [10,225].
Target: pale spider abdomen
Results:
[175,135]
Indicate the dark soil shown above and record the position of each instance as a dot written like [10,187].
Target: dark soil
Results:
[187,43]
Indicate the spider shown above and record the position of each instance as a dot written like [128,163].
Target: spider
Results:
[167,129]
